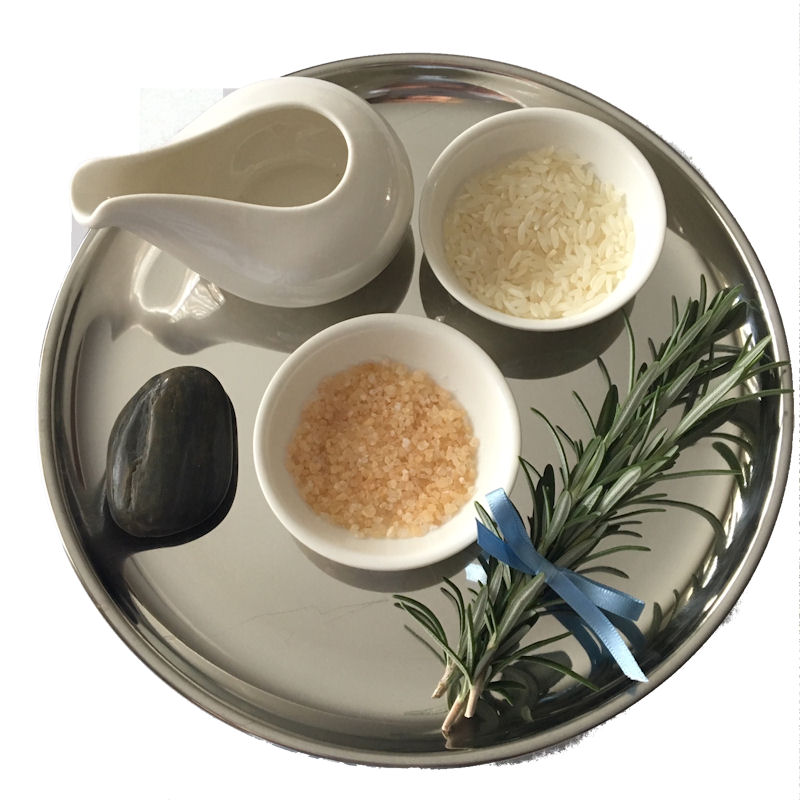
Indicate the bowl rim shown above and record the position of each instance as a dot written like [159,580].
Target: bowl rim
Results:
[423,556]
[622,294]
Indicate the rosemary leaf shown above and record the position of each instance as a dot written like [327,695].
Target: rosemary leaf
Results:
[547,662]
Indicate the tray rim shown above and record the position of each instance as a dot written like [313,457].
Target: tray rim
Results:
[517,749]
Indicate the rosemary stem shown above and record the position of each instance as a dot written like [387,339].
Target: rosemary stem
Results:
[486,659]
[515,612]
[475,692]
[444,681]
[454,714]
[628,454]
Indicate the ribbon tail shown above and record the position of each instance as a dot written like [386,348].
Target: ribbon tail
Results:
[612,600]
[600,625]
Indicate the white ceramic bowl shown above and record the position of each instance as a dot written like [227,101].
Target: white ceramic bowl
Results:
[504,136]
[455,362]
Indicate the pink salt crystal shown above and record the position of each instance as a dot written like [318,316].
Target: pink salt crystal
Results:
[360,428]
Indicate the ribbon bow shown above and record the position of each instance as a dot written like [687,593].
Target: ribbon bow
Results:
[586,597]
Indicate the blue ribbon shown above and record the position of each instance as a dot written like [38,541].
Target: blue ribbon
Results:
[586,597]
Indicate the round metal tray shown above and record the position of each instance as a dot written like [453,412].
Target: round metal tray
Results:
[315,657]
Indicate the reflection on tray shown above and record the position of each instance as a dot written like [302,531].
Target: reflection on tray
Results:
[495,719]
[287,328]
[186,313]
[109,548]
[434,89]
[519,353]
[396,580]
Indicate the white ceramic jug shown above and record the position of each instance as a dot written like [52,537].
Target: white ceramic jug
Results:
[289,192]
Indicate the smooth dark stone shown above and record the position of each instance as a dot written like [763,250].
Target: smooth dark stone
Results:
[172,454]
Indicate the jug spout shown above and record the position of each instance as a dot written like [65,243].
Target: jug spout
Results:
[98,186]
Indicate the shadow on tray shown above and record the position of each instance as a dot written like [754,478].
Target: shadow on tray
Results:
[519,353]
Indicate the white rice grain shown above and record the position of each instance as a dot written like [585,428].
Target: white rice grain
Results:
[539,237]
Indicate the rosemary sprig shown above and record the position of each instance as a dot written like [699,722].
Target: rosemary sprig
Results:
[602,487]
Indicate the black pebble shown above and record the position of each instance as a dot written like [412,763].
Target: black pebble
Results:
[171,454]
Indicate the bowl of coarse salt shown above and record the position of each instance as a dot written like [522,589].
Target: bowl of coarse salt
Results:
[374,439]
[542,219]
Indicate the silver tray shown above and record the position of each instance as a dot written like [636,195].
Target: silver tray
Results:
[314,657]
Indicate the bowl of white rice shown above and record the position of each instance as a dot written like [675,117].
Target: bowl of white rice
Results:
[542,219]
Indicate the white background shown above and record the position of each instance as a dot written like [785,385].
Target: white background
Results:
[86,719]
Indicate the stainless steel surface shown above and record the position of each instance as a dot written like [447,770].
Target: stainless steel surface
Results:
[251,628]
